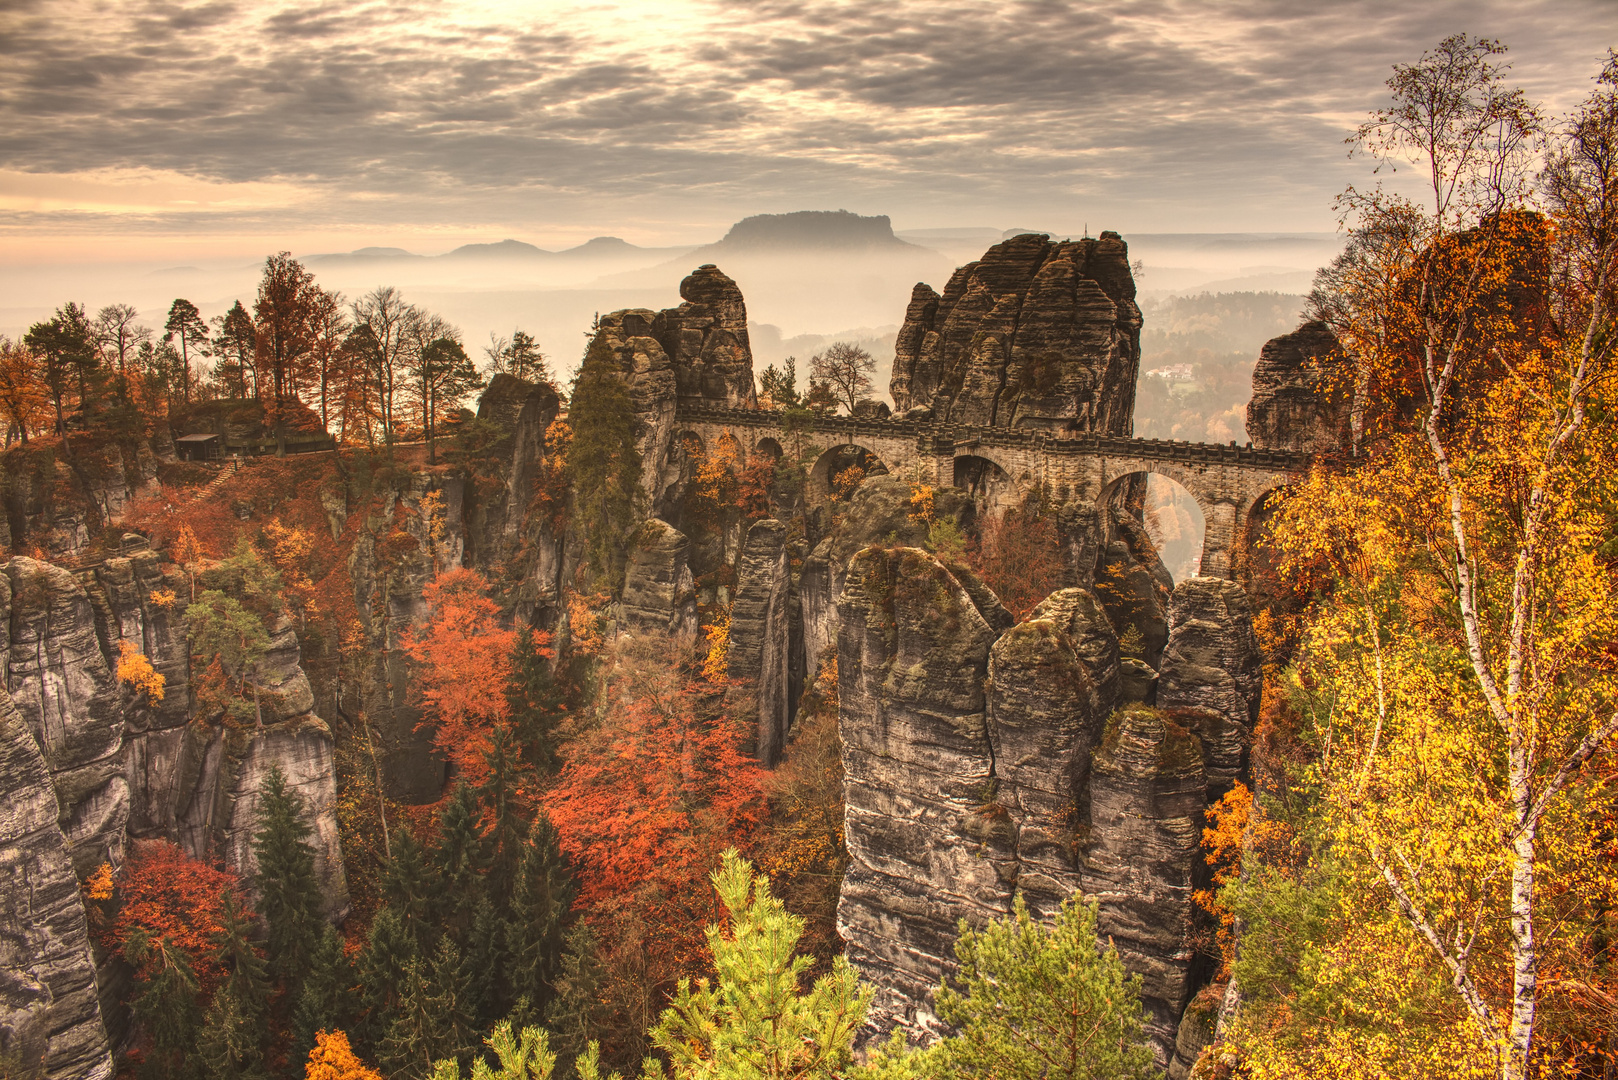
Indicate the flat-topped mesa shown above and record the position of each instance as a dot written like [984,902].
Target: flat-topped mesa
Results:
[1037,333]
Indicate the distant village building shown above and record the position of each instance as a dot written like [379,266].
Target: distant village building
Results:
[1172,373]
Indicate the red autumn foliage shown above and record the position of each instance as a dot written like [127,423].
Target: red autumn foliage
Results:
[653,790]
[167,893]
[465,658]
[1018,556]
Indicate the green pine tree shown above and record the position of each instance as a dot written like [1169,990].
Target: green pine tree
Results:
[165,1003]
[429,1023]
[382,966]
[520,1057]
[485,964]
[604,460]
[291,899]
[234,1029]
[408,886]
[508,832]
[575,1012]
[325,1001]
[1033,1001]
[534,699]
[540,903]
[457,863]
[756,1020]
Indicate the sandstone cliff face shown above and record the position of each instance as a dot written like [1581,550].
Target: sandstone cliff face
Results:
[984,758]
[878,512]
[49,1014]
[695,354]
[1036,333]
[923,848]
[760,637]
[1213,672]
[1147,801]
[502,528]
[1300,400]
[659,595]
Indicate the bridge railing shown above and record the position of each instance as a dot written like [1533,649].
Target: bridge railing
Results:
[942,438]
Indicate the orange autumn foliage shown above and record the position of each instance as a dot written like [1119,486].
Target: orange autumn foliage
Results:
[165,892]
[333,1059]
[136,670]
[465,658]
[654,788]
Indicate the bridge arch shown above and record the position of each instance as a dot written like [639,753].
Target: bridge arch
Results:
[985,480]
[837,461]
[768,449]
[1174,516]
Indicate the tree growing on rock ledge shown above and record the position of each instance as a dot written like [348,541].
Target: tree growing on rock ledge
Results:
[604,460]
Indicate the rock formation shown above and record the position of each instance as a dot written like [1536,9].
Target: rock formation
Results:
[1147,800]
[760,637]
[659,595]
[1301,397]
[983,759]
[926,843]
[1213,673]
[879,509]
[50,1018]
[1037,333]
[694,354]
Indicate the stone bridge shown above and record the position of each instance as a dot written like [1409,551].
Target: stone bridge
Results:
[1226,481]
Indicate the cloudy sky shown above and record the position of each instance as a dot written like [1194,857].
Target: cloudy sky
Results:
[182,129]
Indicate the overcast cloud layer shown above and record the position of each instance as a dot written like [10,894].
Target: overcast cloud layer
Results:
[663,122]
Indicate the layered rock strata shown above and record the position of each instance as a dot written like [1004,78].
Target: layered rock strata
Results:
[50,1018]
[1302,393]
[659,594]
[984,759]
[1037,333]
[694,354]
[759,637]
[1213,673]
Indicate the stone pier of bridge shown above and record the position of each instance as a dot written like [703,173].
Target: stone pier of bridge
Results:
[1227,482]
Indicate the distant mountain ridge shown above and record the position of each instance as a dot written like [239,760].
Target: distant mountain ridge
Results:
[504,250]
[823,229]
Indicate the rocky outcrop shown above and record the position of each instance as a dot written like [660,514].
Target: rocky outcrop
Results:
[926,844]
[1213,672]
[1147,799]
[659,595]
[1134,587]
[65,691]
[50,1017]
[760,638]
[694,354]
[880,511]
[1301,393]
[1037,333]
[506,524]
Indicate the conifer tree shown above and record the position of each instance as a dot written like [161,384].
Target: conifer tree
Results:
[508,832]
[605,460]
[534,698]
[231,1042]
[407,885]
[382,967]
[485,963]
[575,1012]
[326,998]
[290,896]
[1033,1002]
[540,902]
[429,1023]
[165,1003]
[755,1020]
[457,862]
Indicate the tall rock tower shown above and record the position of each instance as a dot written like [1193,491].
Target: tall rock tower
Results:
[1037,333]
